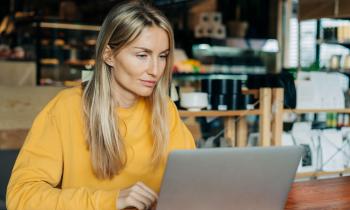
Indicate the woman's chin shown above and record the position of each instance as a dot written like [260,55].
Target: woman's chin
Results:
[145,93]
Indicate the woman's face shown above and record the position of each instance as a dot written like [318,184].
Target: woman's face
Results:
[137,68]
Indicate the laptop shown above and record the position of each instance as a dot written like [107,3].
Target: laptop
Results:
[255,178]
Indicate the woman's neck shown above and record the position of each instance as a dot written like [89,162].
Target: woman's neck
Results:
[121,97]
[123,103]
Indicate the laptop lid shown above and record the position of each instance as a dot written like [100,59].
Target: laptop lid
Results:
[229,178]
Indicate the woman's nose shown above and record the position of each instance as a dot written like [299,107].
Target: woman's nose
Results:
[153,68]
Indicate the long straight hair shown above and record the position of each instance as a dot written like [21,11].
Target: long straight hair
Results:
[122,25]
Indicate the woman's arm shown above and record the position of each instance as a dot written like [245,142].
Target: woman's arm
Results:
[35,182]
[36,177]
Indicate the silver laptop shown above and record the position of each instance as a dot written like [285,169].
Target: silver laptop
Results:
[255,178]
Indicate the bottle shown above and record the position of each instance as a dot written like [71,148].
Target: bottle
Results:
[340,120]
[329,120]
[346,120]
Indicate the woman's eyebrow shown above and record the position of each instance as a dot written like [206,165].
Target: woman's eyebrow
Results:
[149,50]
[166,51]
[144,49]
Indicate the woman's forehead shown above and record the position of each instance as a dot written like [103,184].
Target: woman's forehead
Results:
[153,38]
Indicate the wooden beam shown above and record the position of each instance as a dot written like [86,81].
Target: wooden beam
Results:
[277,116]
[265,117]
[242,132]
[230,130]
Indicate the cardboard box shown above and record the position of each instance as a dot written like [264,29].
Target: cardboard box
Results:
[197,9]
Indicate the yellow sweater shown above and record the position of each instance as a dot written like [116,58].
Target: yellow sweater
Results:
[53,169]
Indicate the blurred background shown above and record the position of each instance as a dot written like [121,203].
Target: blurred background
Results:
[231,57]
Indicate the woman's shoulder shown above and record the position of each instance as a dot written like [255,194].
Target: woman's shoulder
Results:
[67,99]
[72,93]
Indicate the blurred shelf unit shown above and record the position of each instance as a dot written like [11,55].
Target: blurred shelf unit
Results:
[16,37]
[319,174]
[236,55]
[304,111]
[338,35]
[235,124]
[270,130]
[233,113]
[233,46]
[332,28]
[211,76]
[63,51]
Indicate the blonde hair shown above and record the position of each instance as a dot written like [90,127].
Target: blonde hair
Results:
[122,25]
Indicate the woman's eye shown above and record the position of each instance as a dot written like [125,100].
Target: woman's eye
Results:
[141,55]
[163,56]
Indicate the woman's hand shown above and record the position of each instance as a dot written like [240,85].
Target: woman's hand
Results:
[139,196]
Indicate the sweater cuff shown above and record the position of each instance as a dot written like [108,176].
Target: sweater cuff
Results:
[107,200]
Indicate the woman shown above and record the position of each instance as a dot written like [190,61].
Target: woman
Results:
[104,145]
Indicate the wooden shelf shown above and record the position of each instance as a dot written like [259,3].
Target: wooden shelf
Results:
[55,61]
[49,61]
[90,62]
[302,111]
[234,113]
[320,173]
[69,26]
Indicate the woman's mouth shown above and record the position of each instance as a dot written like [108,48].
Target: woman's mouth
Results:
[149,83]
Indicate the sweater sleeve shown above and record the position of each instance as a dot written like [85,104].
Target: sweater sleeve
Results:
[36,176]
[179,133]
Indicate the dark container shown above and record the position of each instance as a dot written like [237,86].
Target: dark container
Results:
[221,86]
[236,102]
[207,86]
[219,102]
[226,86]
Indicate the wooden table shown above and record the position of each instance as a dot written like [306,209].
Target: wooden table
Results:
[320,195]
[327,194]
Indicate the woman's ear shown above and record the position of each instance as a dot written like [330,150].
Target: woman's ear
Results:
[108,56]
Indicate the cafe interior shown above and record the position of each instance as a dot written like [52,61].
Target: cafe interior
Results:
[246,74]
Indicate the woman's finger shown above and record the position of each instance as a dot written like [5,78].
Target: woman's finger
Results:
[136,203]
[145,193]
[145,200]
[148,189]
